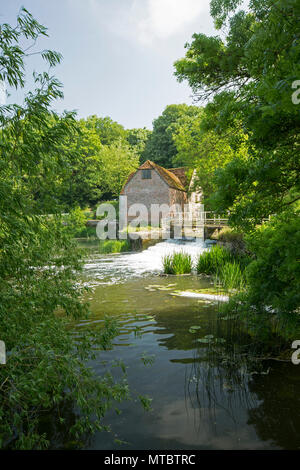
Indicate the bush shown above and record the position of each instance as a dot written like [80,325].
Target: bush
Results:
[114,246]
[270,302]
[210,262]
[229,235]
[114,203]
[177,263]
[274,276]
[234,239]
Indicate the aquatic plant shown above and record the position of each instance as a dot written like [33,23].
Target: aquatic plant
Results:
[177,263]
[231,276]
[114,246]
[210,262]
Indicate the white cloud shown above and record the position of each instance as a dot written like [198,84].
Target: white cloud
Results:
[160,19]
[149,21]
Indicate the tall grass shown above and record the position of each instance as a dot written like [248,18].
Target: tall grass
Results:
[231,277]
[114,246]
[210,262]
[228,269]
[177,263]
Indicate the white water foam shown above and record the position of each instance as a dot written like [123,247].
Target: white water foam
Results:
[114,268]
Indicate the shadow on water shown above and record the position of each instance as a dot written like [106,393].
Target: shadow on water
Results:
[208,391]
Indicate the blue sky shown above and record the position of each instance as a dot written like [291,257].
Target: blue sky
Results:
[118,54]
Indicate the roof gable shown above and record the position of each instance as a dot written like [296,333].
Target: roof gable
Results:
[174,177]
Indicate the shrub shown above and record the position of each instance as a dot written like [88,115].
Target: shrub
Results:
[229,235]
[177,263]
[114,203]
[274,275]
[114,246]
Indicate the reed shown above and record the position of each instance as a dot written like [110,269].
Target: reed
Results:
[177,263]
[210,262]
[231,277]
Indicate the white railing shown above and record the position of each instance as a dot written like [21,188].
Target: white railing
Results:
[198,219]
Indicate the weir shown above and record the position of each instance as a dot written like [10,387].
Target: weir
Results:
[118,267]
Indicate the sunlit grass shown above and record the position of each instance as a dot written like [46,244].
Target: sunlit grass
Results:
[177,263]
[114,246]
[231,277]
[210,262]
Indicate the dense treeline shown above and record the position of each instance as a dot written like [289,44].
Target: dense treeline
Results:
[99,154]
[46,369]
[246,145]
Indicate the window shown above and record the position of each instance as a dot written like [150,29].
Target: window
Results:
[146,175]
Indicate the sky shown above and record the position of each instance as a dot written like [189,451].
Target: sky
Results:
[118,55]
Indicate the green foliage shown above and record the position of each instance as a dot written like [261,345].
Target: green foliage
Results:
[118,161]
[274,276]
[177,263]
[250,75]
[160,146]
[96,171]
[206,151]
[211,261]
[39,264]
[137,139]
[107,130]
[227,234]
[235,239]
[75,221]
[231,277]
[114,246]
[271,300]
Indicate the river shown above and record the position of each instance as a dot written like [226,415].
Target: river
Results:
[206,394]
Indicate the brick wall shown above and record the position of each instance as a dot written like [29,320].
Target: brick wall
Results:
[151,191]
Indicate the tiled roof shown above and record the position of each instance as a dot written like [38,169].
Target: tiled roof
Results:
[181,174]
[175,177]
[170,178]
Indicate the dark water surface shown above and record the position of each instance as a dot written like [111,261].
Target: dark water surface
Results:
[205,395]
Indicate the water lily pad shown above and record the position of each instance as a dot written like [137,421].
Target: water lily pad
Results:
[203,340]
[193,329]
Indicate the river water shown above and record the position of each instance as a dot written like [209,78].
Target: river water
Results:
[206,392]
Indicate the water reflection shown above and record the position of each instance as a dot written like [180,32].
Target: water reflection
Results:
[206,395]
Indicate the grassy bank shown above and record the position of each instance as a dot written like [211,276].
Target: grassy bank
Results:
[114,246]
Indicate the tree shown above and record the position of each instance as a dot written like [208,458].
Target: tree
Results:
[206,151]
[118,161]
[107,130]
[137,139]
[39,264]
[250,76]
[81,183]
[160,146]
[272,279]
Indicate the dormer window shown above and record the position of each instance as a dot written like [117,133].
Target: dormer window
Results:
[146,174]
